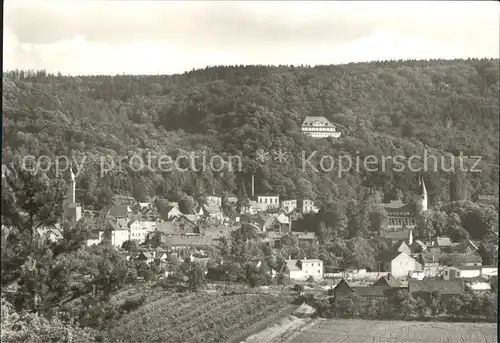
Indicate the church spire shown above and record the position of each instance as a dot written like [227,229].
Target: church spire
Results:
[72,187]
[422,196]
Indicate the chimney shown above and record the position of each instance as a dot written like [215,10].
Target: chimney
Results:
[410,239]
[289,257]
[253,185]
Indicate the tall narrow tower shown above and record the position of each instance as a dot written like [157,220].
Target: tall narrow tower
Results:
[72,188]
[73,210]
[421,203]
[253,185]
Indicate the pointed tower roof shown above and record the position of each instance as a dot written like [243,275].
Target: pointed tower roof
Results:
[422,188]
[72,175]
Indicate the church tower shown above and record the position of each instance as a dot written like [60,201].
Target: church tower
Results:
[421,203]
[73,210]
[72,189]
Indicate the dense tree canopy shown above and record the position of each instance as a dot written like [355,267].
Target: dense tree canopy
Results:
[382,108]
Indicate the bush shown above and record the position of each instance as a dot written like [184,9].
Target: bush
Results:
[34,328]
[468,307]
[132,304]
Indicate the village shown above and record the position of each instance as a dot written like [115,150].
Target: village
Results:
[415,263]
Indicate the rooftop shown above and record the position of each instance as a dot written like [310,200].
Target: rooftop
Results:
[431,285]
[119,211]
[397,235]
[388,280]
[396,206]
[311,120]
[371,291]
[443,241]
[195,241]
[304,235]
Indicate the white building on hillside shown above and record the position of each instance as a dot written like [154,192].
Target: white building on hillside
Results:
[289,205]
[461,272]
[319,127]
[139,230]
[214,200]
[268,201]
[303,269]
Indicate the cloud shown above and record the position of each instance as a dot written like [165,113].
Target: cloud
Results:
[168,37]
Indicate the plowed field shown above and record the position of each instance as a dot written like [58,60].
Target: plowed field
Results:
[361,331]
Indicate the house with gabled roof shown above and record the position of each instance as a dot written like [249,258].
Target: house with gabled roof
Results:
[139,230]
[302,269]
[173,212]
[403,247]
[343,288]
[116,232]
[319,127]
[398,263]
[444,244]
[211,211]
[428,288]
[120,211]
[459,272]
[388,281]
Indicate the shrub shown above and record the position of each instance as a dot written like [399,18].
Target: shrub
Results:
[34,328]
[132,304]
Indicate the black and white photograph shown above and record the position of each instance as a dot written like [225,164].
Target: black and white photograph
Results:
[250,171]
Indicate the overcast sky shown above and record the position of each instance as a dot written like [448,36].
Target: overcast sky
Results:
[162,37]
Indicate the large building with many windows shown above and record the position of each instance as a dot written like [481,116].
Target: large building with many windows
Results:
[402,215]
[319,127]
[269,201]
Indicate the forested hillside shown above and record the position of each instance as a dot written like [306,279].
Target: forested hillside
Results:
[382,108]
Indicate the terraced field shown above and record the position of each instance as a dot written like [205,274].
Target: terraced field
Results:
[362,331]
[197,317]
